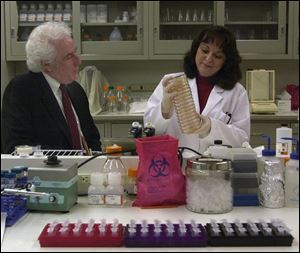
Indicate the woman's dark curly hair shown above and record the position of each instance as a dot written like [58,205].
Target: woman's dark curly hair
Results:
[230,73]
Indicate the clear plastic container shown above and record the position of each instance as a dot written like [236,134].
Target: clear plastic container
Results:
[96,191]
[188,118]
[111,100]
[115,191]
[208,185]
[115,35]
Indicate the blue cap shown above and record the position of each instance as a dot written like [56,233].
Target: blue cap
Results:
[268,151]
[293,155]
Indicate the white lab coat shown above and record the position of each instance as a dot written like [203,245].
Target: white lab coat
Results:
[219,103]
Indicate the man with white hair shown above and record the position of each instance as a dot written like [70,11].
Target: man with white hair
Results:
[46,106]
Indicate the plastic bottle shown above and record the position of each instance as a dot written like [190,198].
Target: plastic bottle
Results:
[23,13]
[292,178]
[115,35]
[49,13]
[283,147]
[271,185]
[58,14]
[188,118]
[67,13]
[32,13]
[40,17]
[115,191]
[130,186]
[96,191]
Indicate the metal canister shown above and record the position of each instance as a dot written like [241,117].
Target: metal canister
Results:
[208,185]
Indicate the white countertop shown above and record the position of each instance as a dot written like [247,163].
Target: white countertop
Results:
[23,236]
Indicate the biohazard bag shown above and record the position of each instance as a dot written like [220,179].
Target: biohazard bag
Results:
[159,178]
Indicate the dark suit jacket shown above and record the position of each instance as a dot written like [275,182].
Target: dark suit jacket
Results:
[32,116]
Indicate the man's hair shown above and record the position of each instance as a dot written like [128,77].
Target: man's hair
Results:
[230,73]
[40,46]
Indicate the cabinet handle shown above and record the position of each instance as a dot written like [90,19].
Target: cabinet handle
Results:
[12,32]
[282,31]
[141,31]
[155,31]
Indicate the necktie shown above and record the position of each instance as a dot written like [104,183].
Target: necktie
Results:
[70,116]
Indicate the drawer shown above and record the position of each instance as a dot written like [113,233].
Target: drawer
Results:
[120,130]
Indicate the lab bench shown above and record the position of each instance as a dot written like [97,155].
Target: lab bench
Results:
[23,236]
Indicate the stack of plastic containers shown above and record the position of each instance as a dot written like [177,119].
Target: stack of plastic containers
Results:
[188,118]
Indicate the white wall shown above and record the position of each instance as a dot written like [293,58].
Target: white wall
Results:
[151,71]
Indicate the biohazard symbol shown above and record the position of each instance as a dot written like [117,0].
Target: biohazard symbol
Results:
[159,167]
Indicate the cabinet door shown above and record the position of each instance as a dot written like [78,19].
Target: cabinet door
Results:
[176,23]
[21,18]
[113,29]
[259,26]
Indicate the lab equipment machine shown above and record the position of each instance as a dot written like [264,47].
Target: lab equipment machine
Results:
[260,85]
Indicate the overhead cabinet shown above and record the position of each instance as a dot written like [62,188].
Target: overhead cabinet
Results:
[116,30]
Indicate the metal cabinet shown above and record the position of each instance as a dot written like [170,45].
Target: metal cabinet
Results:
[260,27]
[113,29]
[161,29]
[92,26]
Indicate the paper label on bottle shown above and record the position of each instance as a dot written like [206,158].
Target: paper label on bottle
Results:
[112,199]
[23,17]
[49,17]
[96,199]
[40,17]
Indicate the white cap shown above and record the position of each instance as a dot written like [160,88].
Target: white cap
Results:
[114,178]
[97,178]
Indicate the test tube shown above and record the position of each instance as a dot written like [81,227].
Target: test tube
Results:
[144,229]
[90,227]
[182,228]
[102,226]
[114,228]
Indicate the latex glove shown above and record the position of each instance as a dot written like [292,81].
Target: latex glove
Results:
[205,126]
[169,93]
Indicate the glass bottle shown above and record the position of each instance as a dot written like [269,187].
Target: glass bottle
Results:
[115,35]
[104,100]
[111,99]
[120,99]
[113,163]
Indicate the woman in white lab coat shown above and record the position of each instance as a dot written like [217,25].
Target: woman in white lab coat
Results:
[212,68]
